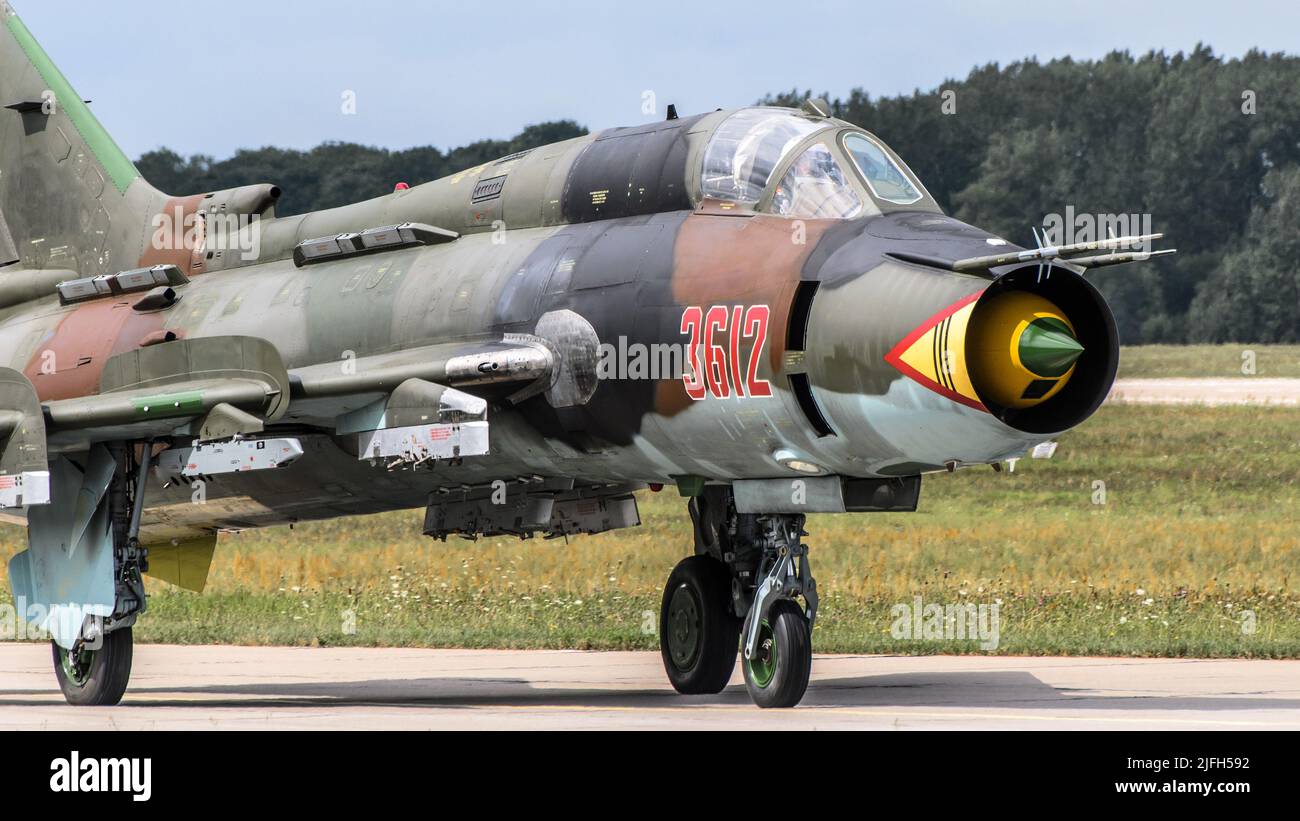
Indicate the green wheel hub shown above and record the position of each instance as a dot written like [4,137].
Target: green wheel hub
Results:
[762,667]
[76,664]
[685,628]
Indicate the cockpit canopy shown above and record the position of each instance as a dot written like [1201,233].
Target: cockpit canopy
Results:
[747,148]
[815,187]
[885,178]
[815,160]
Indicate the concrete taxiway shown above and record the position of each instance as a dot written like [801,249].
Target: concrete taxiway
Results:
[1241,390]
[211,687]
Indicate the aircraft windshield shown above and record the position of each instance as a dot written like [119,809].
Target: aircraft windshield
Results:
[815,187]
[886,179]
[747,148]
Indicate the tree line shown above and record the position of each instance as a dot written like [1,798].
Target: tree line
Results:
[334,174]
[1208,147]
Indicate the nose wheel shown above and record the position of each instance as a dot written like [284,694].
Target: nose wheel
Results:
[777,672]
[698,634]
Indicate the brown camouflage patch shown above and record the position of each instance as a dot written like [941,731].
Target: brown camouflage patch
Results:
[740,259]
[179,219]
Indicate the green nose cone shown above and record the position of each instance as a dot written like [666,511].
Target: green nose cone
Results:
[1048,347]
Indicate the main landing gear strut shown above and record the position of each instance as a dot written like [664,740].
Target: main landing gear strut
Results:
[95,672]
[741,588]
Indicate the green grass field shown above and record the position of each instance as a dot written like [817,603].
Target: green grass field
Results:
[1159,361]
[1191,552]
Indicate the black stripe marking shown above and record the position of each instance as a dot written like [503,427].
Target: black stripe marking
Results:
[947,366]
[934,355]
[941,354]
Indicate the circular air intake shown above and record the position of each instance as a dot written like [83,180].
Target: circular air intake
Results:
[1042,349]
[1022,350]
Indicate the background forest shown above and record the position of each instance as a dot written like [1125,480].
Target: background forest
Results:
[1208,147]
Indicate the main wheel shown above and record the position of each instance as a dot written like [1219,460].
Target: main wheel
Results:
[95,678]
[698,634]
[777,675]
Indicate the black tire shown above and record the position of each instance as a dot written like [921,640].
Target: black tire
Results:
[778,674]
[699,636]
[100,677]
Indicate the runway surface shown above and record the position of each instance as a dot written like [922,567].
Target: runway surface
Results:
[228,688]
[1241,390]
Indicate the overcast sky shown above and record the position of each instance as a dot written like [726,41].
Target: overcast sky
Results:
[213,77]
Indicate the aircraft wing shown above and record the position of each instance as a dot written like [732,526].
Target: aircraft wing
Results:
[405,405]
[215,387]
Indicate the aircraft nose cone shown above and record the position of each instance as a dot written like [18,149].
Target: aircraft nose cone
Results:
[1023,349]
[1047,347]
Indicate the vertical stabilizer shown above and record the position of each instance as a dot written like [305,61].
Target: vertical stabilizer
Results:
[69,197]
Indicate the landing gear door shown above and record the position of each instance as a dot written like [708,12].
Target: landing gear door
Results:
[65,576]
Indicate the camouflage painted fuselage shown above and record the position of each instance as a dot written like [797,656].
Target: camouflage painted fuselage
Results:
[613,227]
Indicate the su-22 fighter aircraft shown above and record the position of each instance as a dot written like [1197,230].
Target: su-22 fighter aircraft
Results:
[842,336]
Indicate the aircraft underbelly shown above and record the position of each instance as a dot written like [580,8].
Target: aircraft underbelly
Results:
[328,482]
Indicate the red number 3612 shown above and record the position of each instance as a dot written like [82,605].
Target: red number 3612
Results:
[716,368]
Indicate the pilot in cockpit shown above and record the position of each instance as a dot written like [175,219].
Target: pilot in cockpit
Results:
[815,187]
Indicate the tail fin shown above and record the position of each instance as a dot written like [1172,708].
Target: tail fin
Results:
[69,197]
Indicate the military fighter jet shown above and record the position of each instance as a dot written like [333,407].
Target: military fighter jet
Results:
[805,331]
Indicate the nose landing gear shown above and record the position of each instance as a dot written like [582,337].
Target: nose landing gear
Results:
[778,633]
[743,584]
